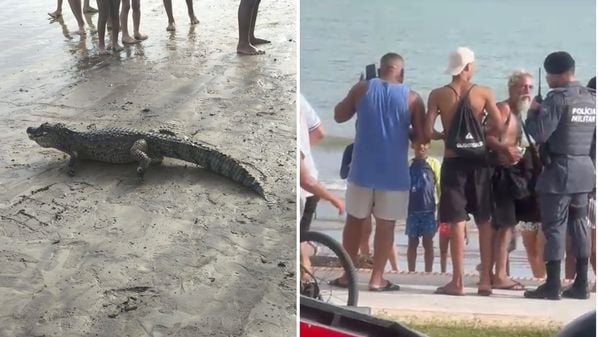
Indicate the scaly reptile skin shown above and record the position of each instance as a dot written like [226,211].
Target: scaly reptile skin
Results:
[119,146]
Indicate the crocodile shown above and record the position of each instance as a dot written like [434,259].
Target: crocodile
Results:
[122,145]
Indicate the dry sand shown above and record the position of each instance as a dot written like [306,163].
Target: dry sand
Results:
[186,252]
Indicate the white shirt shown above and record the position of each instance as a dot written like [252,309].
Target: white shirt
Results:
[308,121]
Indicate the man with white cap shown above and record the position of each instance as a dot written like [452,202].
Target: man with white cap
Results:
[465,173]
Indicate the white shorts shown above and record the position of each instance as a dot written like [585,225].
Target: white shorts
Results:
[386,205]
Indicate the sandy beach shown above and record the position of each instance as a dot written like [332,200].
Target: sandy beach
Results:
[185,252]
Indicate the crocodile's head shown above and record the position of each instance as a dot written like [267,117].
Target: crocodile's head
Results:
[48,135]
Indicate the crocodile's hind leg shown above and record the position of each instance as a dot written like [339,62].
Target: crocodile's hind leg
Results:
[139,152]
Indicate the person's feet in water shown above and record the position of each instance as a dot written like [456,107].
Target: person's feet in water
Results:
[103,51]
[256,41]
[129,40]
[248,49]
[193,19]
[81,31]
[116,47]
[171,27]
[55,14]
[139,36]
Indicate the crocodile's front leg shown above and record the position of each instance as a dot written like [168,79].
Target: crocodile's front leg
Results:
[139,152]
[72,162]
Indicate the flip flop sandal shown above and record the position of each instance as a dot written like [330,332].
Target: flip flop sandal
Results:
[388,287]
[442,291]
[482,292]
[515,286]
[337,283]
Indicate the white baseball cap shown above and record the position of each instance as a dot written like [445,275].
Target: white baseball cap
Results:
[458,59]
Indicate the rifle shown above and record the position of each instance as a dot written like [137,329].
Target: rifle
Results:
[538,97]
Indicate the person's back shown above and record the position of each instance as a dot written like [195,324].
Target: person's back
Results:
[382,137]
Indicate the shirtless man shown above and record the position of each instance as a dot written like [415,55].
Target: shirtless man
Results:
[108,8]
[508,211]
[124,20]
[465,183]
[76,9]
[168,6]
[247,41]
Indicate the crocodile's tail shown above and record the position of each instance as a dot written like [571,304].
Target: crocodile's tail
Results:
[209,159]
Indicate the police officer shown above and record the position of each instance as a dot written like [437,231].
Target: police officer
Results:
[564,126]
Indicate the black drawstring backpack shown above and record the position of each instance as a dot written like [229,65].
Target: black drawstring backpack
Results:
[466,135]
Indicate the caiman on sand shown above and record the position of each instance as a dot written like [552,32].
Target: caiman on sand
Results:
[120,146]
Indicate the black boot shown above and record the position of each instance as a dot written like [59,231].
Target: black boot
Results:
[552,288]
[579,289]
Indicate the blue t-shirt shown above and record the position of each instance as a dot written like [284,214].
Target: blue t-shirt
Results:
[382,138]
[422,196]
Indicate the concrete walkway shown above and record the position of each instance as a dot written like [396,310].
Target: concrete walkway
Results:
[416,301]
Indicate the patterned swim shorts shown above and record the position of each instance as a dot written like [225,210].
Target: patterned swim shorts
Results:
[529,226]
[420,224]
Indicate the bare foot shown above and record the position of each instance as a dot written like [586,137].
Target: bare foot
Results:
[255,41]
[193,19]
[129,40]
[507,284]
[89,10]
[55,15]
[103,51]
[249,50]
[81,31]
[171,27]
[140,37]
[116,47]
[450,289]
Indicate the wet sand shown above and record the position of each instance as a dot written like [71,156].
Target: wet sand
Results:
[186,252]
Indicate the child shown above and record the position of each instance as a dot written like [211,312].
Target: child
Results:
[124,22]
[108,9]
[421,218]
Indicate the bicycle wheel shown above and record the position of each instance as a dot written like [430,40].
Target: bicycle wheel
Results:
[322,247]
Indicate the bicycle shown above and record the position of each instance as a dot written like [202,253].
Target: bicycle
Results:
[328,255]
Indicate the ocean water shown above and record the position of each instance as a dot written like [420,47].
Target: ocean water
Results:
[339,38]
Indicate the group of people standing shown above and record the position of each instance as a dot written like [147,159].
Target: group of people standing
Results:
[523,160]
[114,17]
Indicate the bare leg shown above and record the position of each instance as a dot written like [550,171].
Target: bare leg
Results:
[114,17]
[87,8]
[102,21]
[428,243]
[352,238]
[569,260]
[486,248]
[383,242]
[412,245]
[124,23]
[168,7]
[76,9]
[58,12]
[191,13]
[364,245]
[457,245]
[501,280]
[252,39]
[534,256]
[444,245]
[136,20]
[244,47]
[392,259]
[305,261]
